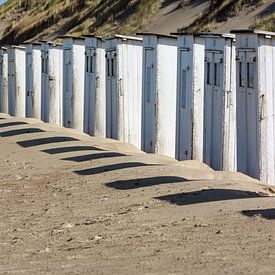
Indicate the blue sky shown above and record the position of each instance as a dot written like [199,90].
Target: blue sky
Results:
[2,1]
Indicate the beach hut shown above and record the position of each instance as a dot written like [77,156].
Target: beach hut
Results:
[51,82]
[4,80]
[55,84]
[33,79]
[219,148]
[190,94]
[124,88]
[255,55]
[159,94]
[17,81]
[95,88]
[73,82]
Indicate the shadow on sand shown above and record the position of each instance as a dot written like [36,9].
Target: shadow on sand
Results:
[43,141]
[144,182]
[94,156]
[13,123]
[18,132]
[208,195]
[268,214]
[69,149]
[113,167]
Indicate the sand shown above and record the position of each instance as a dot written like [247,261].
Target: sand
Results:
[74,204]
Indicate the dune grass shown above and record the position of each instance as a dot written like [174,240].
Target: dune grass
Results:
[102,17]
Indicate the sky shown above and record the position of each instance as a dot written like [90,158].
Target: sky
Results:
[2,1]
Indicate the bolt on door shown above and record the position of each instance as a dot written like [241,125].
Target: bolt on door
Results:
[213,110]
[248,115]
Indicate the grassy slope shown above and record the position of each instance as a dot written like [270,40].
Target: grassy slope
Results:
[39,18]
[31,19]
[223,9]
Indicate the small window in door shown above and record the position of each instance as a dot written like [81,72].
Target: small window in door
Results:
[92,64]
[250,75]
[46,65]
[43,65]
[209,72]
[183,88]
[108,67]
[87,63]
[242,74]
[113,65]
[148,84]
[1,67]
[217,74]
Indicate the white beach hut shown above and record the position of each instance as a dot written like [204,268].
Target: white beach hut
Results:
[56,84]
[255,54]
[4,80]
[190,94]
[124,88]
[219,101]
[159,94]
[33,79]
[17,81]
[52,82]
[73,82]
[95,87]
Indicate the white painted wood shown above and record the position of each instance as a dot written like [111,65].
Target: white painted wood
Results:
[219,128]
[185,76]
[95,87]
[17,81]
[4,80]
[190,95]
[255,104]
[159,97]
[123,89]
[74,78]
[266,127]
[36,81]
[198,98]
[55,84]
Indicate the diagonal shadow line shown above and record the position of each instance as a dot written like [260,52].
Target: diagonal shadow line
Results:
[210,195]
[43,141]
[144,182]
[94,156]
[1,118]
[13,123]
[113,167]
[268,214]
[69,149]
[17,132]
